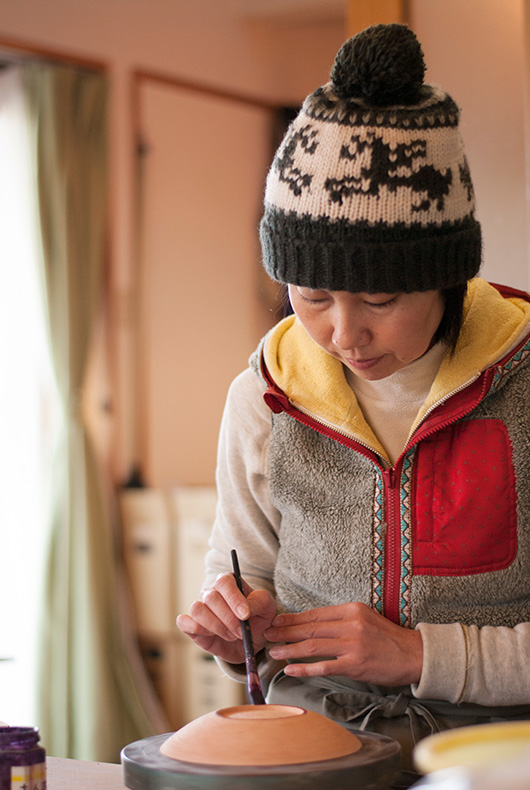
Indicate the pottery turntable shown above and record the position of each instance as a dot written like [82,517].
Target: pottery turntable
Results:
[263,747]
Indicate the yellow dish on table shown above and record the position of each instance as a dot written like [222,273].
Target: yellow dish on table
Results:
[473,746]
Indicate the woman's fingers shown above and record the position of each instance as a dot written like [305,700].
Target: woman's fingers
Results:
[352,639]
[262,609]
[192,628]
[226,586]
[326,622]
[214,623]
[213,611]
[228,650]
[221,607]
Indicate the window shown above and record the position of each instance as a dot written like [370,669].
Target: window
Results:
[26,413]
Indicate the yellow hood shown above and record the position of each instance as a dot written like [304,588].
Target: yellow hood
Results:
[315,382]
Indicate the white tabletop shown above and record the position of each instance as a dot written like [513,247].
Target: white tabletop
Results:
[64,774]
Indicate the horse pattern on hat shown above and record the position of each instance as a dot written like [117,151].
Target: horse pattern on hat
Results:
[373,174]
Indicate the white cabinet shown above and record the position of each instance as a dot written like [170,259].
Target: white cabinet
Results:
[165,539]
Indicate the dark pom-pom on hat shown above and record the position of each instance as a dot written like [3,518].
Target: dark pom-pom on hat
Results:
[383,65]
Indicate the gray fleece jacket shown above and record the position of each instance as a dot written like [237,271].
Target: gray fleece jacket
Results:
[438,541]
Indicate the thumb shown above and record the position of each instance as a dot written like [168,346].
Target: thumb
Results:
[261,604]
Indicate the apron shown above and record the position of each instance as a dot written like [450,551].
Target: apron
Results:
[391,711]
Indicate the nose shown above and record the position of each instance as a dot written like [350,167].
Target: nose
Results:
[349,330]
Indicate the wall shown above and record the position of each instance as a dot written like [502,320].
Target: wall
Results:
[202,311]
[476,50]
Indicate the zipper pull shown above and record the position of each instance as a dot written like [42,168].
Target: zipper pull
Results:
[276,401]
[389,476]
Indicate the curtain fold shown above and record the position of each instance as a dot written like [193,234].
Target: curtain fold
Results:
[90,703]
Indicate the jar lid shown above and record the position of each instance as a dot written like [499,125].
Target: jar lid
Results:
[18,737]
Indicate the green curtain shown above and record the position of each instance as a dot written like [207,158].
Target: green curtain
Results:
[90,704]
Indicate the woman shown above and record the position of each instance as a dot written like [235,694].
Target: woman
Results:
[374,465]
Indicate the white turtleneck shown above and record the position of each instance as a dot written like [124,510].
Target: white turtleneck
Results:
[391,404]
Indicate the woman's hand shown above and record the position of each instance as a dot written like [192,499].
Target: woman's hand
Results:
[213,621]
[350,639]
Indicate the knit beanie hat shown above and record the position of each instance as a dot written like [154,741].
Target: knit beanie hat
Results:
[370,188]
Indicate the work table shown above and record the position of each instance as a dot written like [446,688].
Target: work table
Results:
[65,774]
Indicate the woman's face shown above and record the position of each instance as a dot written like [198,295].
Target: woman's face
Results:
[372,334]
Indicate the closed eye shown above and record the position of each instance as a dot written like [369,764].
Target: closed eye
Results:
[314,297]
[381,304]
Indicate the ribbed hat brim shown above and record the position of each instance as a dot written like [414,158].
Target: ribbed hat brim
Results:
[338,257]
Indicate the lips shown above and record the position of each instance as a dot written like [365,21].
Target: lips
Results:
[363,364]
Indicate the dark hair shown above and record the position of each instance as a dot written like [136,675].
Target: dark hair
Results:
[451,323]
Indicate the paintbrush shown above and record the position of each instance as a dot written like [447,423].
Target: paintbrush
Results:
[253,682]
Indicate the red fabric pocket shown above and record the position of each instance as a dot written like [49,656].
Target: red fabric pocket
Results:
[465,501]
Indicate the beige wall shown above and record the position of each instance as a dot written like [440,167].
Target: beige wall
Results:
[474,48]
[201,311]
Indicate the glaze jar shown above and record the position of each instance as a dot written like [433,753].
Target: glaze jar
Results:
[22,759]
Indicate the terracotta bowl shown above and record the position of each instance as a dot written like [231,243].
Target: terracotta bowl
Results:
[260,735]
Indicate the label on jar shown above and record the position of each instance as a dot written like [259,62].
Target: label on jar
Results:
[28,777]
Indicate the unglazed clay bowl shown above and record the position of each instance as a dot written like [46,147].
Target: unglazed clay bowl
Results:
[260,735]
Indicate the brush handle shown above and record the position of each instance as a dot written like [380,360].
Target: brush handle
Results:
[253,682]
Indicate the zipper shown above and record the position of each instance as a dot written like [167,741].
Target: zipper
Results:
[445,398]
[278,401]
[487,379]
[332,431]
[392,559]
[392,522]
